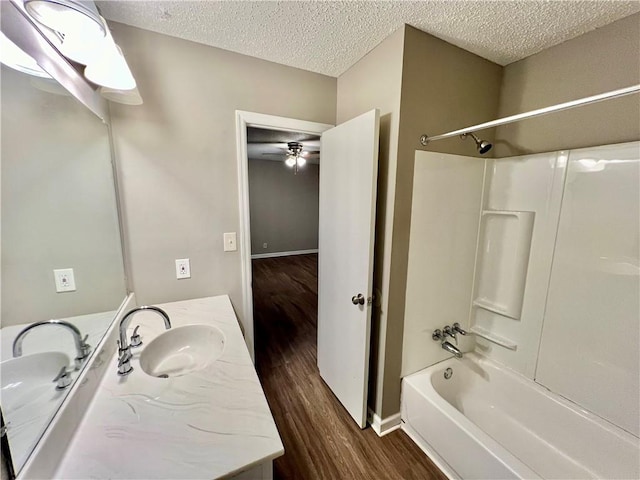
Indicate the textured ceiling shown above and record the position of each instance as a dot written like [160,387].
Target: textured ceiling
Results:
[329,36]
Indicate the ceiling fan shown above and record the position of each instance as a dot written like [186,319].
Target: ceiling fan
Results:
[295,149]
[296,156]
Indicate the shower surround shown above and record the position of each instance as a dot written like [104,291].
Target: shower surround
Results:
[538,255]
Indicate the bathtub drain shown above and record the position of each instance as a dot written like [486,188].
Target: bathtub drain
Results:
[448,373]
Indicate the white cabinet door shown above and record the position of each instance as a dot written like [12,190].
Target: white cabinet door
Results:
[348,181]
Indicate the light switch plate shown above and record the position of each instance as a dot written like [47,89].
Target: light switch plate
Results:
[183,268]
[230,243]
[65,281]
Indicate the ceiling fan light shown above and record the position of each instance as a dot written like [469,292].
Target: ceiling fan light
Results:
[14,57]
[290,161]
[78,17]
[301,161]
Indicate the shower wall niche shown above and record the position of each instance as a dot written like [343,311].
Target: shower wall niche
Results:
[520,210]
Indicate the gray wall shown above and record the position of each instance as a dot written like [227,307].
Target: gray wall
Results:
[602,60]
[421,84]
[443,87]
[284,207]
[375,82]
[177,155]
[58,206]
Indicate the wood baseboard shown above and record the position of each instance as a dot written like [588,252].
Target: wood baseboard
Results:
[283,254]
[382,426]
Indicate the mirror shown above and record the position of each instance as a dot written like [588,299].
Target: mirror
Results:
[59,213]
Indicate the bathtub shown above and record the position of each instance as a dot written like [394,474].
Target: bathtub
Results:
[487,421]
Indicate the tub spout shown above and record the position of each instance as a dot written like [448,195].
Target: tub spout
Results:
[452,349]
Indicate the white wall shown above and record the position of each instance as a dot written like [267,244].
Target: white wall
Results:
[590,352]
[447,194]
[58,206]
[531,183]
[283,207]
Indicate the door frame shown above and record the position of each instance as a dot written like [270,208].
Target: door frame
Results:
[246,119]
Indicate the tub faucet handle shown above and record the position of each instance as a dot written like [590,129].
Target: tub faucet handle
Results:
[448,331]
[459,329]
[437,335]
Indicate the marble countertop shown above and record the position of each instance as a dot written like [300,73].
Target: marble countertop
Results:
[208,424]
[27,422]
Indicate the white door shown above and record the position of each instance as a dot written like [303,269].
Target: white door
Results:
[348,180]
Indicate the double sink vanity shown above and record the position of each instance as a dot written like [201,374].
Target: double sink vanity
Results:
[174,397]
[191,405]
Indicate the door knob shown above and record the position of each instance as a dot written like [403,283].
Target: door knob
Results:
[358,299]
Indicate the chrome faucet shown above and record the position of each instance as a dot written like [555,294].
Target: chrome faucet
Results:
[457,328]
[452,349]
[449,331]
[124,349]
[82,347]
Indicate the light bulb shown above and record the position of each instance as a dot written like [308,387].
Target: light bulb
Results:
[290,161]
[301,161]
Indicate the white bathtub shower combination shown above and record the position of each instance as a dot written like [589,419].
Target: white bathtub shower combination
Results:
[486,421]
[537,256]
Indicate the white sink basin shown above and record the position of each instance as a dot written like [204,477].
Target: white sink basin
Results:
[182,350]
[27,381]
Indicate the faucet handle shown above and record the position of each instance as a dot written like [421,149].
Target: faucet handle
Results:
[85,347]
[448,331]
[437,335]
[458,328]
[63,378]
[136,340]
[124,358]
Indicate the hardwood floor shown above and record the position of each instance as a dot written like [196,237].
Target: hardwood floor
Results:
[321,441]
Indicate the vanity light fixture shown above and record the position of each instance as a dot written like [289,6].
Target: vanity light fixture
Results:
[76,29]
[109,67]
[126,97]
[14,57]
[78,18]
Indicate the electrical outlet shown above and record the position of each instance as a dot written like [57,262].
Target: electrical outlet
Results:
[65,282]
[264,245]
[183,268]
[230,244]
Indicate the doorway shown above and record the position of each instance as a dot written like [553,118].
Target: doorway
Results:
[283,183]
[244,120]
[347,192]
[320,438]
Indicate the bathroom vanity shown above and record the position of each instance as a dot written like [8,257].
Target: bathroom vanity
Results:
[213,422]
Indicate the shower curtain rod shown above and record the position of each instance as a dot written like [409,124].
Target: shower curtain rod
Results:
[424,139]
